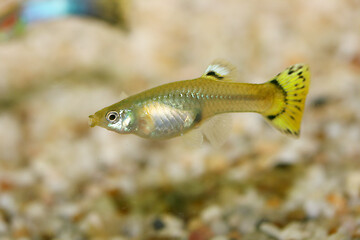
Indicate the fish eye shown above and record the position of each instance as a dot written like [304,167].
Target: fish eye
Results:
[112,116]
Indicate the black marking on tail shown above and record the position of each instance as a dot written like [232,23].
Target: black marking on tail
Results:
[272,117]
[276,83]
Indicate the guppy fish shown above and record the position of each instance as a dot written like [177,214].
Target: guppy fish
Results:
[189,107]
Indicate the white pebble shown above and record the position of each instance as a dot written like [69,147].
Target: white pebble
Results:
[68,210]
[7,202]
[10,138]
[3,227]
[211,213]
[353,184]
[35,210]
[333,130]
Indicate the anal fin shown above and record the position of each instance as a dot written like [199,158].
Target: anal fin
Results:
[217,129]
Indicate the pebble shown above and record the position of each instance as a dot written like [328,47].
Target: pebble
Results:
[219,238]
[8,204]
[10,138]
[211,213]
[91,222]
[3,226]
[352,185]
[69,210]
[158,224]
[219,227]
[203,232]
[167,226]
[35,210]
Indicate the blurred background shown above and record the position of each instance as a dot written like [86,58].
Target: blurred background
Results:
[61,61]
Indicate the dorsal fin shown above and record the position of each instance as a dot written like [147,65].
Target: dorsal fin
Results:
[221,70]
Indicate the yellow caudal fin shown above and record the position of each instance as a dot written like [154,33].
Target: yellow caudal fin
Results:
[288,107]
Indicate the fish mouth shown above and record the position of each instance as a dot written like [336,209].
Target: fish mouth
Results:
[92,121]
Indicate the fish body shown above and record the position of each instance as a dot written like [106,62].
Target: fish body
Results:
[176,108]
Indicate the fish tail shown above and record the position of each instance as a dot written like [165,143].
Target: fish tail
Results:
[287,109]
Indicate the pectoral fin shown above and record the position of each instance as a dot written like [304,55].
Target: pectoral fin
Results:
[193,139]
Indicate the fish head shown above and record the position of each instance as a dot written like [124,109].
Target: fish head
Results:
[117,120]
